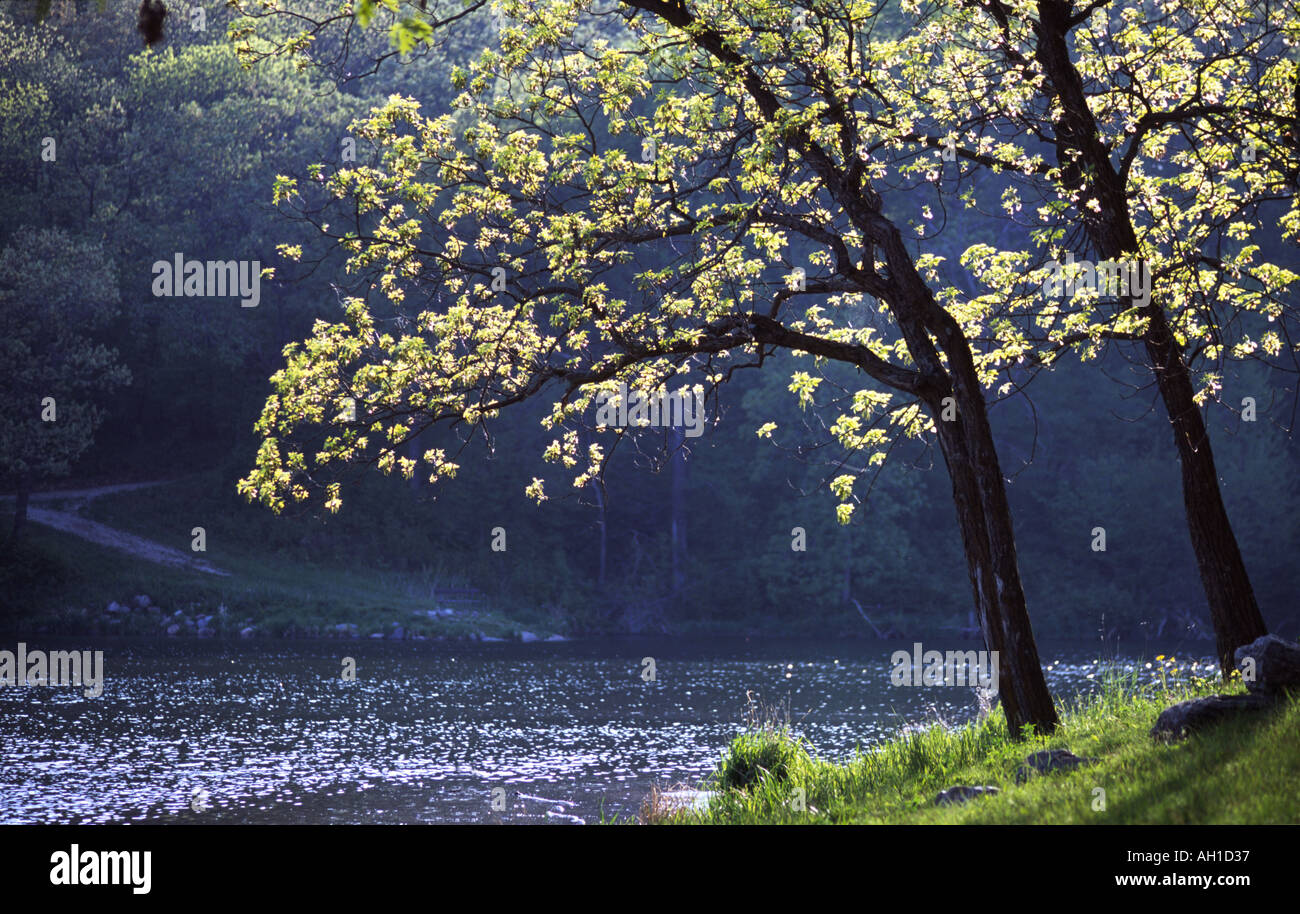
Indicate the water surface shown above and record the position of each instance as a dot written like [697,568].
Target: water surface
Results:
[269,732]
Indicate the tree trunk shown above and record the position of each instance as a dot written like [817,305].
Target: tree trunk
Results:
[1085,159]
[984,517]
[979,492]
[1233,610]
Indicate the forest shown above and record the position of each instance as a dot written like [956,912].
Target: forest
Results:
[118,155]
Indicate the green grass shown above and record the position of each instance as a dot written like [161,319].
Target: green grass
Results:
[57,582]
[1241,772]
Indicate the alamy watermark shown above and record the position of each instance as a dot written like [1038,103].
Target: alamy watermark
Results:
[1126,278]
[939,668]
[656,409]
[53,668]
[179,277]
[77,867]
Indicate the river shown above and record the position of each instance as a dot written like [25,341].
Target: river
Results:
[273,732]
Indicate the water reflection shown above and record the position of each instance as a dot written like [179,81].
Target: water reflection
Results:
[271,733]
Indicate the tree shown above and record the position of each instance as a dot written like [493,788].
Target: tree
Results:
[625,215]
[1164,136]
[55,292]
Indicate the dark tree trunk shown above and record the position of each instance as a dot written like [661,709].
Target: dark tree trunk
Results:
[979,492]
[984,518]
[1086,163]
[1233,610]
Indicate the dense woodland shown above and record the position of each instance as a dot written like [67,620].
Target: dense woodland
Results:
[177,148]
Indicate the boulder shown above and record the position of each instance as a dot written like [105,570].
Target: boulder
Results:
[141,601]
[1050,760]
[248,632]
[1276,666]
[962,793]
[173,630]
[115,607]
[528,636]
[1178,720]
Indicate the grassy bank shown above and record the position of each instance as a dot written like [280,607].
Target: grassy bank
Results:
[1241,772]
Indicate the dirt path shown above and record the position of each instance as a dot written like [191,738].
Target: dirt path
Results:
[85,495]
[69,521]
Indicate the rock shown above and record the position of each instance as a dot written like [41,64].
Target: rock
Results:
[557,638]
[142,601]
[1050,760]
[1178,720]
[207,633]
[247,632]
[528,636]
[178,614]
[173,630]
[377,634]
[398,633]
[489,638]
[205,621]
[1276,667]
[961,793]
[115,608]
